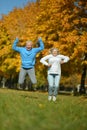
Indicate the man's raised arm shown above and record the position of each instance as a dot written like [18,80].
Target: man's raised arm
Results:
[14,46]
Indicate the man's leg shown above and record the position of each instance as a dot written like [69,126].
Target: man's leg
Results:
[31,74]
[21,78]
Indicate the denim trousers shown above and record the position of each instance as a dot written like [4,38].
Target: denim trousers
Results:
[53,81]
[31,74]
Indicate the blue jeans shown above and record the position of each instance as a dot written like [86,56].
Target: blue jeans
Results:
[53,81]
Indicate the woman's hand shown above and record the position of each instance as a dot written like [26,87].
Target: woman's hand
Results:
[61,62]
[49,65]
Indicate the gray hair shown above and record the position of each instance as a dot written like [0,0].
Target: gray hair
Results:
[28,42]
[52,49]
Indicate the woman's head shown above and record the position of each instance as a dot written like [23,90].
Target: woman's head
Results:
[54,51]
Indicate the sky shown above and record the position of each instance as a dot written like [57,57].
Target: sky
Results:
[8,5]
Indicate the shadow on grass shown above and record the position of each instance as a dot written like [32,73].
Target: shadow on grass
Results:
[27,96]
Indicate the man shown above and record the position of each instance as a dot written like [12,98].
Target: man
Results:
[28,57]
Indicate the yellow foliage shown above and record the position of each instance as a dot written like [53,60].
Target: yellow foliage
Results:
[56,21]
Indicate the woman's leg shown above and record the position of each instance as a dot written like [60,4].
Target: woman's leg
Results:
[56,84]
[50,82]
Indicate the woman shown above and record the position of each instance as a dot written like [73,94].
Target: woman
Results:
[54,61]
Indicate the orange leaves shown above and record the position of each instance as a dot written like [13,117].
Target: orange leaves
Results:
[84,20]
[56,21]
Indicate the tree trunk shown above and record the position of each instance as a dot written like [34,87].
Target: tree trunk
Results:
[3,82]
[83,77]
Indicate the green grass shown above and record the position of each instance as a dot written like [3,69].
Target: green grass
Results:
[24,110]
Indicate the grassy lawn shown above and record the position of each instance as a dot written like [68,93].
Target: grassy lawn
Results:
[24,110]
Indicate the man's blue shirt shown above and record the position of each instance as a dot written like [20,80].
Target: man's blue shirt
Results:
[28,57]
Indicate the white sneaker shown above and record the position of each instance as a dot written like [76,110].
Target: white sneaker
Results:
[54,98]
[49,98]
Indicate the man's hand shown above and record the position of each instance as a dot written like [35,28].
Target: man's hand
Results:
[38,42]
[17,39]
[39,38]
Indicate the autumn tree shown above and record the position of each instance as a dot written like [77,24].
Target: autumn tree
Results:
[82,31]
[60,23]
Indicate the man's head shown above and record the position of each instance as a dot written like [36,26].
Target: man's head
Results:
[29,45]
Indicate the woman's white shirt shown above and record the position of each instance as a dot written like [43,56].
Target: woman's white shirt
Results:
[55,62]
